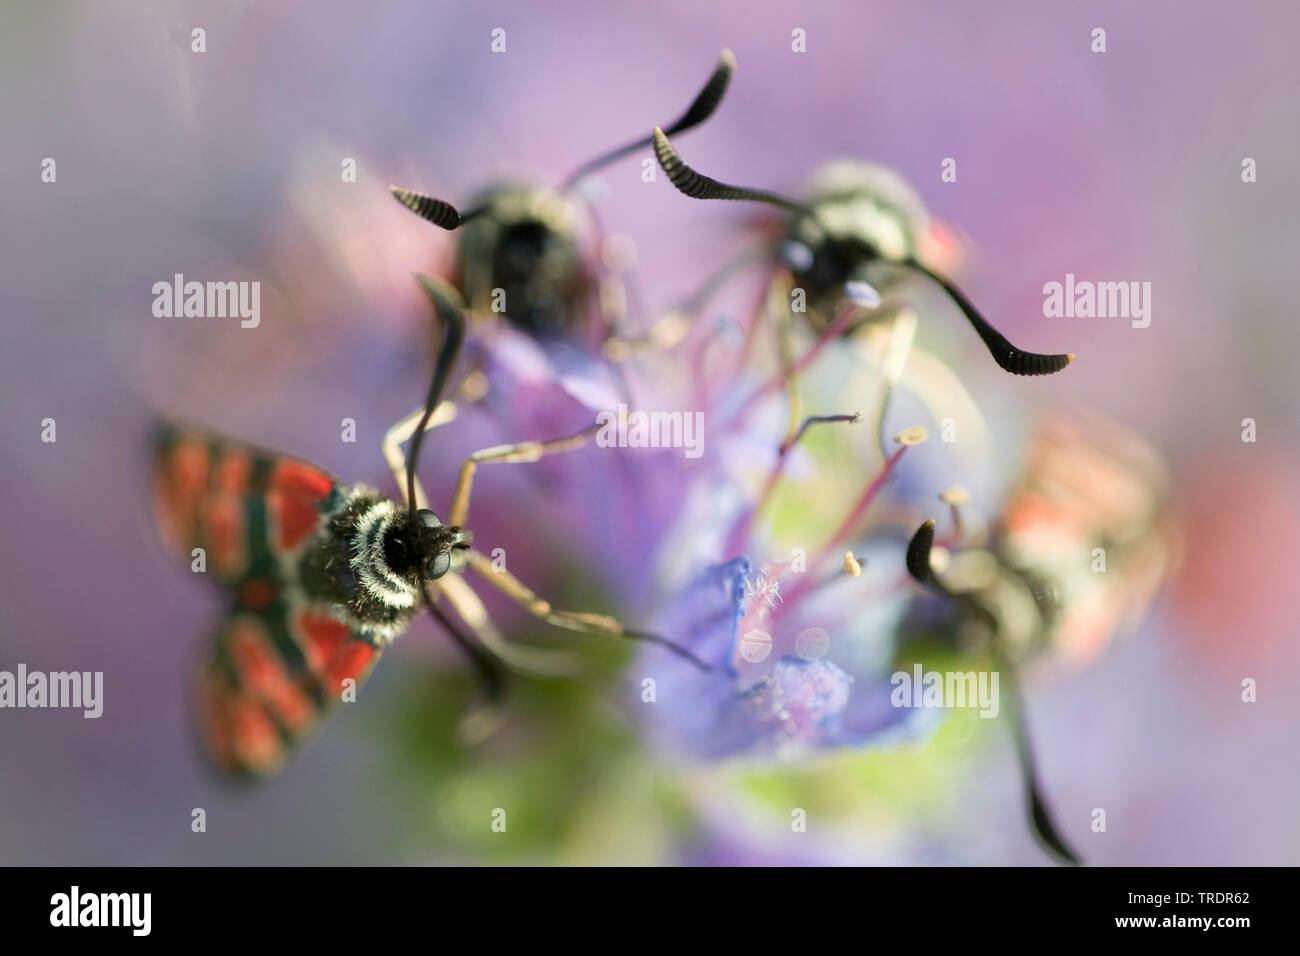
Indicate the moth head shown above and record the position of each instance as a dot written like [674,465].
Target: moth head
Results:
[421,546]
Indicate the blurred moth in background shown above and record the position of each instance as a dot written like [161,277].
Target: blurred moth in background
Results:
[1079,548]
[860,230]
[519,250]
[323,575]
[1076,555]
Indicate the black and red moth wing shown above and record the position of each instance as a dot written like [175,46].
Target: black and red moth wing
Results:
[271,675]
[251,511]
[277,660]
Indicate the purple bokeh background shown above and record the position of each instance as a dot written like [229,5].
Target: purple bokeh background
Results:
[1122,166]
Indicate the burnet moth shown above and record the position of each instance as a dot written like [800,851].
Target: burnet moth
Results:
[845,252]
[322,576]
[518,249]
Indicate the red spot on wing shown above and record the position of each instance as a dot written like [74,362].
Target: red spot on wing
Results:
[233,470]
[255,741]
[1029,511]
[301,480]
[255,594]
[263,672]
[260,669]
[297,520]
[254,702]
[941,247]
[321,637]
[182,481]
[224,529]
[295,708]
[332,653]
[351,661]
[201,501]
[239,733]
[294,501]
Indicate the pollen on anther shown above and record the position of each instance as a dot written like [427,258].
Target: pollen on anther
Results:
[956,495]
[670,330]
[852,565]
[915,435]
[474,386]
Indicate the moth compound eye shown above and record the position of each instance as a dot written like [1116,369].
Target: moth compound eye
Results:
[437,565]
[427,519]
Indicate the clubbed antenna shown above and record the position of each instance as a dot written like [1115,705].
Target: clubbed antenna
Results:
[453,320]
[1041,822]
[918,554]
[437,211]
[1009,358]
[1040,815]
[699,186]
[701,108]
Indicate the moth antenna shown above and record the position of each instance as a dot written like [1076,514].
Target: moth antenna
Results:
[702,107]
[1009,358]
[437,211]
[921,571]
[918,554]
[453,320]
[490,670]
[664,642]
[1041,819]
[698,186]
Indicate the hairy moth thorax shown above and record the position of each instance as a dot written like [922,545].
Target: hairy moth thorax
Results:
[520,256]
[368,559]
[863,213]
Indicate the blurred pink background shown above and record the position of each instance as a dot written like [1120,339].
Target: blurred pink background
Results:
[1117,166]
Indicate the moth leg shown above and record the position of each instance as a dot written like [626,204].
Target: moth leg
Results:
[777,307]
[518,591]
[670,329]
[482,719]
[518,452]
[902,332]
[469,608]
[401,433]
[515,589]
[572,620]
[925,376]
[611,288]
